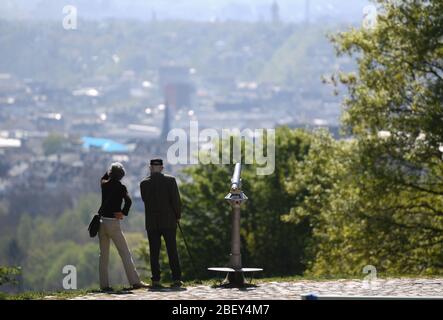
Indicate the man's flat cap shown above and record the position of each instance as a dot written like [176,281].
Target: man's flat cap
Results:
[156,162]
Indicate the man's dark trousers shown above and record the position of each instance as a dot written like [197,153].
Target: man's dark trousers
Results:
[154,237]
[162,211]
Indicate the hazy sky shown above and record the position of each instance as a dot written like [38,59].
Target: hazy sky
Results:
[248,10]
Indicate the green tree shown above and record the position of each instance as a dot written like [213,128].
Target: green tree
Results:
[53,143]
[395,111]
[384,205]
[267,241]
[8,274]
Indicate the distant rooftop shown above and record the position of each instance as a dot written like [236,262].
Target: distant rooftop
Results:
[105,145]
[10,143]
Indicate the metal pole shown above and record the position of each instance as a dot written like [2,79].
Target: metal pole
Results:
[235,258]
[235,270]
[235,198]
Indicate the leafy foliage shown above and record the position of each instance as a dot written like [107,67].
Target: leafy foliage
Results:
[53,144]
[382,200]
[42,246]
[267,241]
[8,274]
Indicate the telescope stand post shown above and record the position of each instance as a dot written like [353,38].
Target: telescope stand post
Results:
[235,276]
[235,257]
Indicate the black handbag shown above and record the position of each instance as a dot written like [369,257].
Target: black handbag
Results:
[94,226]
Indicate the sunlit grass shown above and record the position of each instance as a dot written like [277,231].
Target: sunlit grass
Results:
[38,295]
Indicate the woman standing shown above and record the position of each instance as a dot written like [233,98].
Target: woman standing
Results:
[113,194]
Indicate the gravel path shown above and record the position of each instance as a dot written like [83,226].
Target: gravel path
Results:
[284,290]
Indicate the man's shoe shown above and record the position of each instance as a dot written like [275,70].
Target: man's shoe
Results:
[140,285]
[177,284]
[156,284]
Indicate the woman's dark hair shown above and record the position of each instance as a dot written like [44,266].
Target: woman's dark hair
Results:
[116,171]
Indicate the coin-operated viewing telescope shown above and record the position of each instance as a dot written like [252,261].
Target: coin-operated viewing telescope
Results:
[235,271]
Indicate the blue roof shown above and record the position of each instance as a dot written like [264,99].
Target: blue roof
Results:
[106,145]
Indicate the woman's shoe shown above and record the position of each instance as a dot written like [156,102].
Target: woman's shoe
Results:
[140,285]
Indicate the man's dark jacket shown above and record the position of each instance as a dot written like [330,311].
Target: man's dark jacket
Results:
[162,201]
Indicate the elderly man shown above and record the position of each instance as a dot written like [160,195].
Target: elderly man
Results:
[162,210]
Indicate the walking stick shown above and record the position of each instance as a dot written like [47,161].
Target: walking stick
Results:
[187,248]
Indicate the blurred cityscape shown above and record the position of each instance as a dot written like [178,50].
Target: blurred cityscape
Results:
[72,102]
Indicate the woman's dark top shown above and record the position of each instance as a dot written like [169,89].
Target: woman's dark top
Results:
[113,194]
